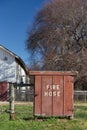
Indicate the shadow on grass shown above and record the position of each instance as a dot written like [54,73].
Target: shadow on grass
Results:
[40,118]
[34,119]
[28,118]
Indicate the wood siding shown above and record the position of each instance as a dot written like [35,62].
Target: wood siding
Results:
[10,70]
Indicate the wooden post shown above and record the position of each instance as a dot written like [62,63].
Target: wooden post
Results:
[11,87]
[85,96]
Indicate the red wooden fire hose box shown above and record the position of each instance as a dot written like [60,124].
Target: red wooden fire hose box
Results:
[53,93]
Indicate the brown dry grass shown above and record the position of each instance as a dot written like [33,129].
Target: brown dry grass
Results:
[17,103]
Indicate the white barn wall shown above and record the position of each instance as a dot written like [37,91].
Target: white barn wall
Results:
[7,66]
[20,73]
[10,70]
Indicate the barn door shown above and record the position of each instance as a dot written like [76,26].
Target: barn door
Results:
[3,91]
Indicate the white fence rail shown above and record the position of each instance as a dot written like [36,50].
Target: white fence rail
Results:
[80,95]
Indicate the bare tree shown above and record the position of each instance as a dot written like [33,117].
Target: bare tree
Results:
[59,36]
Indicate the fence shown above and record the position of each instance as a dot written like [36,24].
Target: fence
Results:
[24,95]
[28,95]
[80,95]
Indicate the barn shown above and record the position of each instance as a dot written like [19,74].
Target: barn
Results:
[12,69]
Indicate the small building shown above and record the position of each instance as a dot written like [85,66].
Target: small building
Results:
[12,69]
[53,93]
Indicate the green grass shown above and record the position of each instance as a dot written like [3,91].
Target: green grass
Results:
[24,119]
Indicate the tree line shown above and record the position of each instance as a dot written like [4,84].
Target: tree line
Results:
[58,38]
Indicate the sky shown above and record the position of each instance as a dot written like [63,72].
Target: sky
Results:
[16,18]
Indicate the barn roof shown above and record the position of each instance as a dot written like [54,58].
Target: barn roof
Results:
[17,58]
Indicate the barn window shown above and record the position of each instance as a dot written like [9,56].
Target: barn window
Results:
[5,58]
